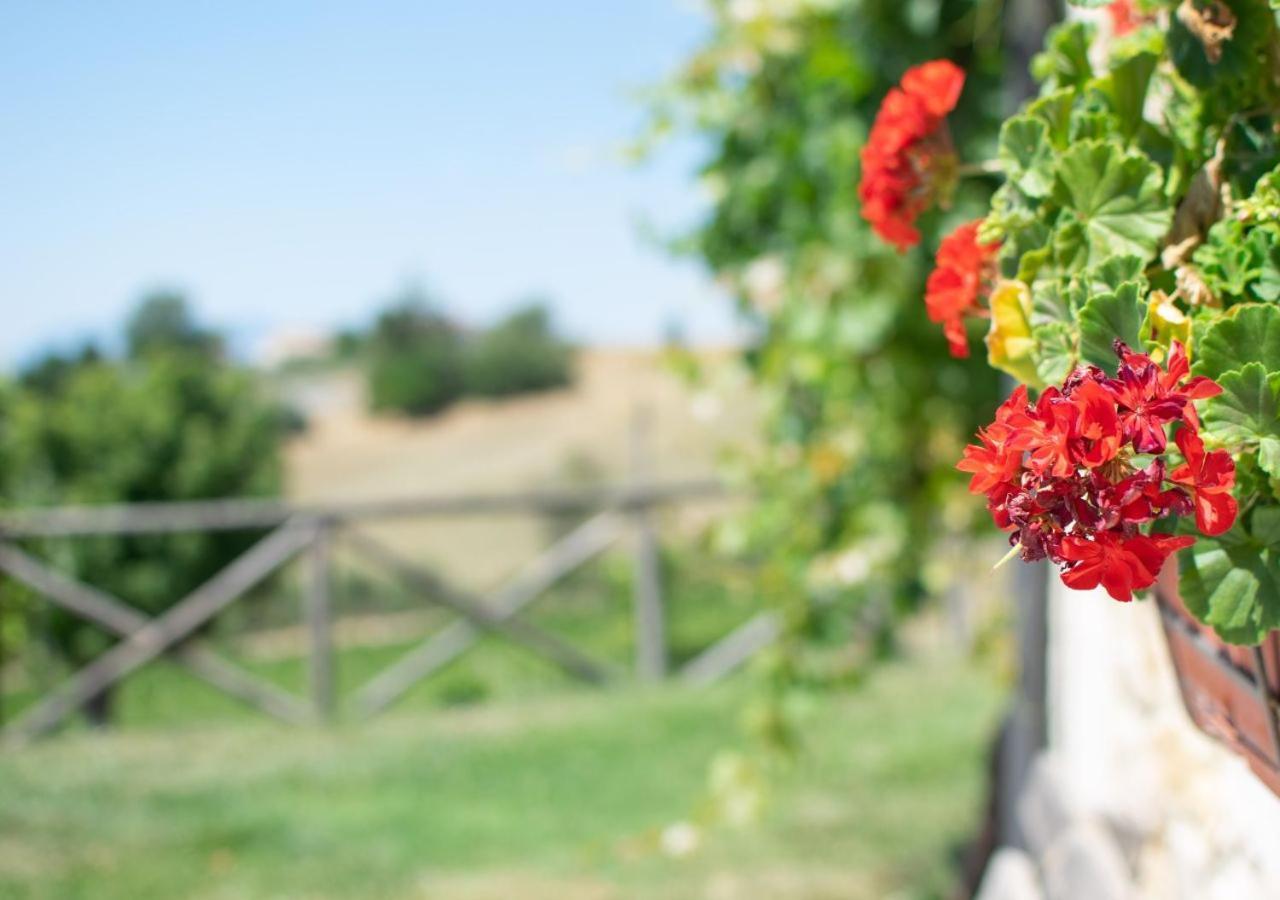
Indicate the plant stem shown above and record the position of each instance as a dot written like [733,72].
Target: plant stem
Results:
[979,169]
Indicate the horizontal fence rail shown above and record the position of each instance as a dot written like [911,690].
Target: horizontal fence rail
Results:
[243,514]
[609,514]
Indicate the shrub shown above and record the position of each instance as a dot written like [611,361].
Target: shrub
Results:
[172,425]
[518,355]
[415,360]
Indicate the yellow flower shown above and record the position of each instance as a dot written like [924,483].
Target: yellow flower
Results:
[1009,342]
[1164,324]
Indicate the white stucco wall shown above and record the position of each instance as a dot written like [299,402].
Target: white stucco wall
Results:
[1201,825]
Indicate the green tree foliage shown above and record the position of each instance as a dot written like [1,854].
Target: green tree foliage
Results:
[168,424]
[163,322]
[50,373]
[418,361]
[415,359]
[866,410]
[520,354]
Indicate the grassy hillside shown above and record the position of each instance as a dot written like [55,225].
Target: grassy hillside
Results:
[555,797]
[571,436]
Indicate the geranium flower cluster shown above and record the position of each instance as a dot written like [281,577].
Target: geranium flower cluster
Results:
[1125,17]
[963,273]
[908,159]
[1075,476]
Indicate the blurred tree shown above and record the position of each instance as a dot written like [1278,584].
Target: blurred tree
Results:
[166,424]
[519,354]
[866,411]
[163,321]
[48,374]
[415,358]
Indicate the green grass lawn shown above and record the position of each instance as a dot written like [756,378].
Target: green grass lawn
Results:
[548,796]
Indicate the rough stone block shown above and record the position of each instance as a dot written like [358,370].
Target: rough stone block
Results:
[1011,875]
[1045,807]
[1085,863]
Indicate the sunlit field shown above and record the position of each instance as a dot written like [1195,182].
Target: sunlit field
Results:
[560,795]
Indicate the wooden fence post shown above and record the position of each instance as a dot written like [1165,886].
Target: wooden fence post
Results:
[4,659]
[319,595]
[650,610]
[1025,730]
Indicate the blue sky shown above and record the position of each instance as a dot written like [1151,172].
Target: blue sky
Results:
[295,163]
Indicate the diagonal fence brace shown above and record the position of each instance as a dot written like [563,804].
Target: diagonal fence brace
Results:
[163,632]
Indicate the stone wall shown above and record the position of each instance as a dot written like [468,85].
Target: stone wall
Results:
[1131,800]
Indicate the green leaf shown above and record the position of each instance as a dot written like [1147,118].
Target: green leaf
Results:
[1093,122]
[1115,271]
[1241,262]
[1010,215]
[1055,351]
[1269,455]
[1070,243]
[1250,334]
[1065,59]
[1247,412]
[1264,204]
[1264,247]
[1232,582]
[1265,527]
[1054,300]
[1054,109]
[1106,317]
[1026,155]
[1115,195]
[1126,88]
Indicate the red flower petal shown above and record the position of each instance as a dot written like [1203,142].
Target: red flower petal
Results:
[936,84]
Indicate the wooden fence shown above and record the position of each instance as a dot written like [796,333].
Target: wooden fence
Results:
[612,514]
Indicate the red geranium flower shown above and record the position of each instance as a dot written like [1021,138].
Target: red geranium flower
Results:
[1062,477]
[1045,433]
[1096,437]
[1210,478]
[995,462]
[963,272]
[1123,17]
[1150,398]
[1120,564]
[908,159]
[1174,380]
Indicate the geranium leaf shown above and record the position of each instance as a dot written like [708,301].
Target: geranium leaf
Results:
[1247,410]
[1054,109]
[1065,59]
[1233,585]
[1264,205]
[1026,155]
[1269,455]
[1265,527]
[1126,88]
[1115,271]
[1115,195]
[1055,351]
[1250,334]
[1108,316]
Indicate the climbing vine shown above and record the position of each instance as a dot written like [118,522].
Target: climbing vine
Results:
[865,413]
[1127,273]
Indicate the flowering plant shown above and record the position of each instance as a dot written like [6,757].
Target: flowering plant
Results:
[1074,476]
[1127,274]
